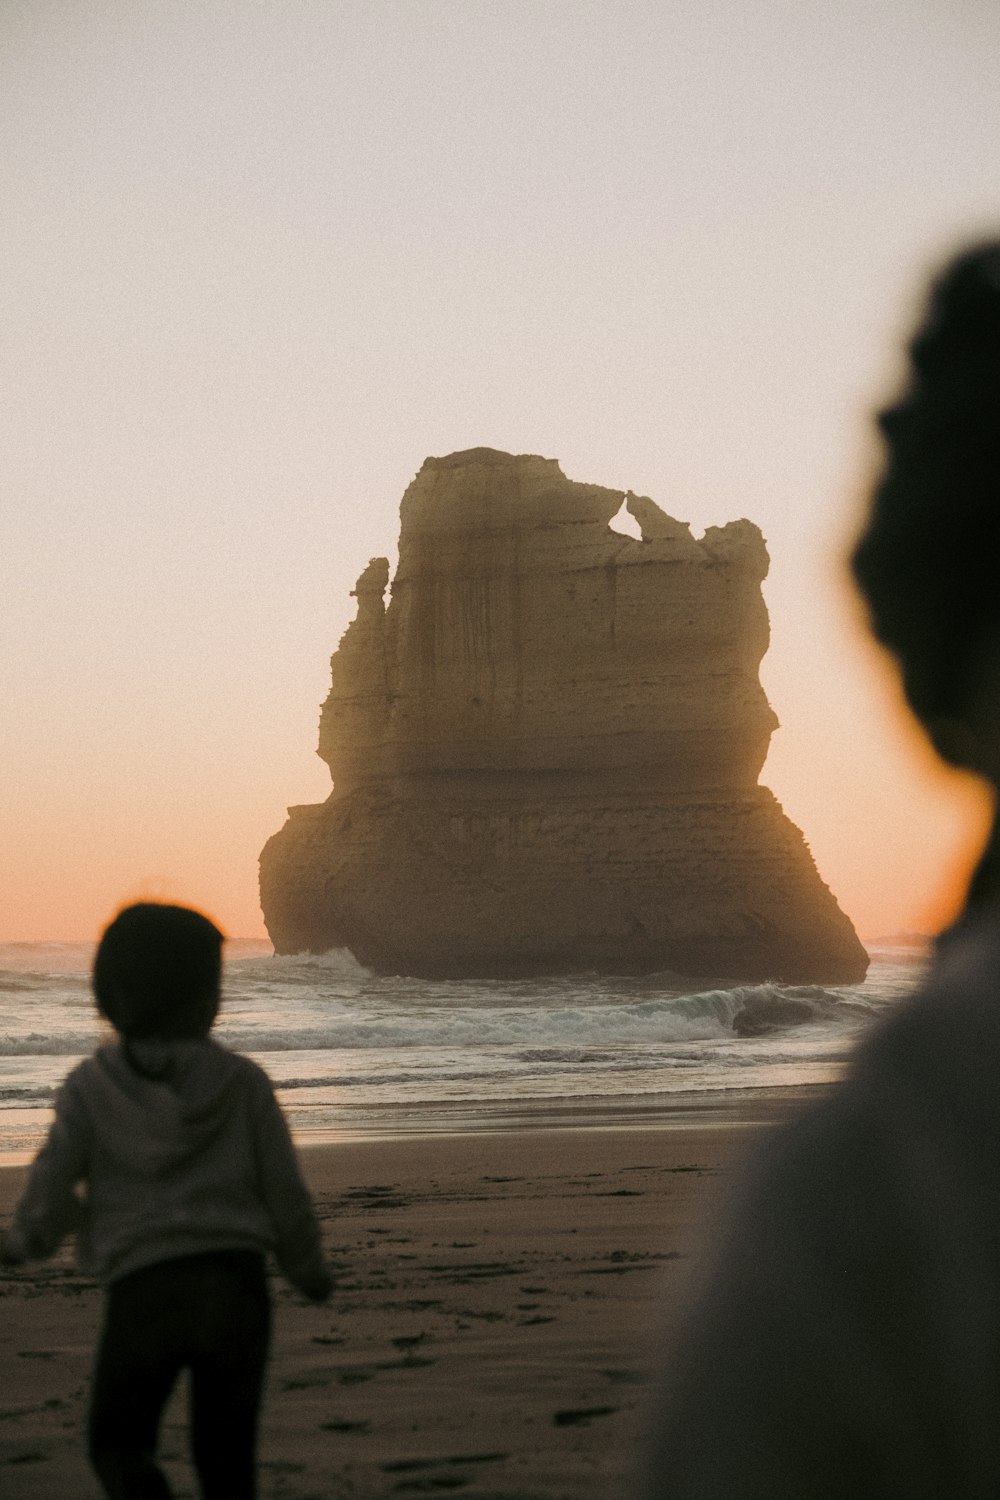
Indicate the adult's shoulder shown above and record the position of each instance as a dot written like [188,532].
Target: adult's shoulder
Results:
[916,1109]
[944,1041]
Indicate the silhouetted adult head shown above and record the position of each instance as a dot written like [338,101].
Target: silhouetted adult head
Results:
[927,561]
[157,972]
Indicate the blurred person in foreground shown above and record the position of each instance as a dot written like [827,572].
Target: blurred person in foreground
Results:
[846,1339]
[188,1178]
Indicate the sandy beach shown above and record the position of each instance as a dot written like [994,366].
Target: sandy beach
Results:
[501,1298]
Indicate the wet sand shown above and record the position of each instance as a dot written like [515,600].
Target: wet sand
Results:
[501,1299]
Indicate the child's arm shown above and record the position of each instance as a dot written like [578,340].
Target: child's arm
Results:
[49,1208]
[299,1248]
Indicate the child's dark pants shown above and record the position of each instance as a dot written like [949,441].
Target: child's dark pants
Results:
[209,1314]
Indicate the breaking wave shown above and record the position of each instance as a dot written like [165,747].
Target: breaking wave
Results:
[483,1020]
[343,1044]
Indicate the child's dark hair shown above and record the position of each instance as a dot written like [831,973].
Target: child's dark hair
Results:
[157,972]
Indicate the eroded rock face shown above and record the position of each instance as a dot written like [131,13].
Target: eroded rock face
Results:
[545,751]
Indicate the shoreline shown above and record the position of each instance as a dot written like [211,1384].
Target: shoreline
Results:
[674,1111]
[502,1298]
[713,1108]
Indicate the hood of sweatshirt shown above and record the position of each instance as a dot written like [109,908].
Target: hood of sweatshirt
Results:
[154,1104]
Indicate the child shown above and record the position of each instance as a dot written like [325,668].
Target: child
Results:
[189,1176]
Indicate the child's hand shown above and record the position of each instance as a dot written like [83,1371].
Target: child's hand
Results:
[317,1286]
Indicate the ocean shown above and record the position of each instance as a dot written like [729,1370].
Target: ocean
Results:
[353,1054]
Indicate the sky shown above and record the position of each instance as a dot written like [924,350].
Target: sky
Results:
[259,259]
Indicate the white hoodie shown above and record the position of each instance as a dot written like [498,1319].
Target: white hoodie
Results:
[180,1147]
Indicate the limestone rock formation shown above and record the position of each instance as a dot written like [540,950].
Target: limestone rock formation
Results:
[545,751]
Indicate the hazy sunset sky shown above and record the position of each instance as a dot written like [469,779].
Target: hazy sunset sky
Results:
[260,259]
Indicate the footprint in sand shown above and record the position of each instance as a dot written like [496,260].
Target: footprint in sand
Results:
[304,1382]
[575,1416]
[407,1341]
[423,1478]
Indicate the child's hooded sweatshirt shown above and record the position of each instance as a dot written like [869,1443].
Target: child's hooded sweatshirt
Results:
[180,1147]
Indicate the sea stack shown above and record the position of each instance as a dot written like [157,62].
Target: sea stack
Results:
[545,750]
